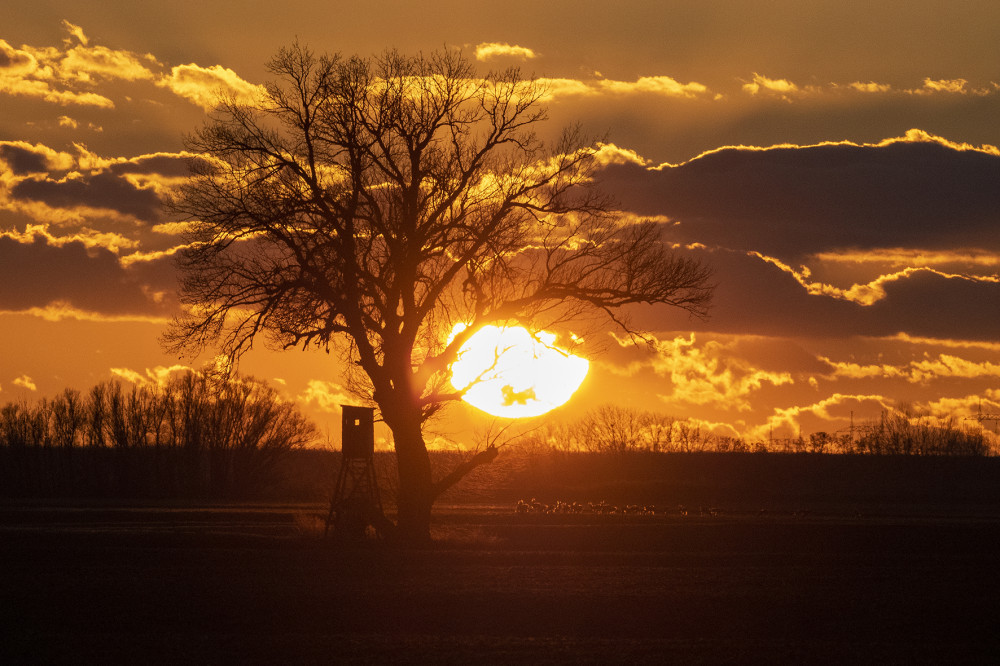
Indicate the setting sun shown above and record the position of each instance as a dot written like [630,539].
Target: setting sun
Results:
[510,372]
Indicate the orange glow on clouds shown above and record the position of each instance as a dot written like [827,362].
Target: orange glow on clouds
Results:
[862,294]
[510,372]
[488,50]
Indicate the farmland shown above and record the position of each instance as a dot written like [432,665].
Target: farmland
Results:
[791,572]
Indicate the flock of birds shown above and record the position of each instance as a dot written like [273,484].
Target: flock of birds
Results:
[533,506]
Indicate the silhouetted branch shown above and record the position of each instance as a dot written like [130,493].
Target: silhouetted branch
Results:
[483,457]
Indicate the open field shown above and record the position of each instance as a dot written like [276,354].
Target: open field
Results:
[104,583]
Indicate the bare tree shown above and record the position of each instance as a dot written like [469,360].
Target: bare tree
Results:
[612,428]
[367,205]
[118,424]
[67,418]
[96,415]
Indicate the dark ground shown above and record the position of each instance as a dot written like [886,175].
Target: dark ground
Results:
[258,584]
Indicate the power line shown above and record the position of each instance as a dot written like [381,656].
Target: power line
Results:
[981,417]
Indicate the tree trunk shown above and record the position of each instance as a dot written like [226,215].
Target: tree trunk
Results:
[416,487]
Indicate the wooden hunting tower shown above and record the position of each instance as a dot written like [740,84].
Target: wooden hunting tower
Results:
[356,503]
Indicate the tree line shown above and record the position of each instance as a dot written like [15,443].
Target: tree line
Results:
[197,434]
[616,429]
[200,436]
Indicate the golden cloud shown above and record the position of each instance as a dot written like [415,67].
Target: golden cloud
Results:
[920,371]
[947,365]
[27,76]
[911,257]
[326,396]
[944,85]
[205,85]
[63,188]
[128,375]
[31,72]
[939,342]
[79,214]
[61,310]
[788,419]
[19,62]
[137,257]
[565,87]
[87,160]
[788,90]
[172,228]
[921,136]
[862,294]
[853,370]
[871,87]
[52,160]
[710,373]
[781,87]
[950,408]
[24,381]
[714,428]
[488,50]
[911,136]
[51,73]
[657,85]
[158,376]
[82,64]
[74,31]
[88,237]
[609,153]
[664,86]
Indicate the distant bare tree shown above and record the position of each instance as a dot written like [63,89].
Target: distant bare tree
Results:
[898,432]
[15,425]
[96,415]
[67,418]
[117,421]
[612,428]
[367,205]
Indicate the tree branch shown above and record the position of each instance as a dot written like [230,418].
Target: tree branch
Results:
[483,457]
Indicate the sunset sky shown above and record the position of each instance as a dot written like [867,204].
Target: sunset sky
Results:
[835,162]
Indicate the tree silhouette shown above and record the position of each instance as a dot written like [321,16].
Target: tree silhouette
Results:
[367,205]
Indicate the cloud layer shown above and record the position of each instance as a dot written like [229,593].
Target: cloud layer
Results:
[856,258]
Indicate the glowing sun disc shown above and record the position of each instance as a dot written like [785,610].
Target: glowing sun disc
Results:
[506,371]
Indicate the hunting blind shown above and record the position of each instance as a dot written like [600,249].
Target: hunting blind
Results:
[356,503]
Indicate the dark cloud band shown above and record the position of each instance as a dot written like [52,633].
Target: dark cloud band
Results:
[796,202]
